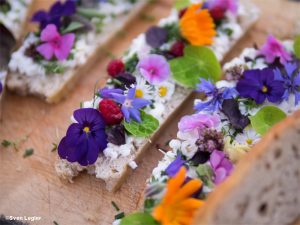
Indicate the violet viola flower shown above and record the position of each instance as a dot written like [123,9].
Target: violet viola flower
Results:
[273,49]
[54,15]
[131,105]
[221,166]
[259,85]
[154,68]
[290,77]
[55,44]
[215,96]
[107,92]
[1,87]
[226,5]
[191,122]
[85,139]
[175,166]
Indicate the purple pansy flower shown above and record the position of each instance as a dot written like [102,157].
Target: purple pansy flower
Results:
[55,44]
[154,68]
[191,122]
[226,5]
[54,15]
[221,166]
[130,104]
[259,85]
[107,92]
[215,96]
[1,87]
[175,166]
[273,49]
[85,139]
[290,77]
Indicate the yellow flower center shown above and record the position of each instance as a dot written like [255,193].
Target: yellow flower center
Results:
[139,93]
[86,129]
[162,91]
[264,89]
[249,141]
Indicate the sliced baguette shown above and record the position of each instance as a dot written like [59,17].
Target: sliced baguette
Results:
[264,188]
[114,172]
[55,87]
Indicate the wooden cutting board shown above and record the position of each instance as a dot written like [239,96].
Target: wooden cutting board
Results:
[29,186]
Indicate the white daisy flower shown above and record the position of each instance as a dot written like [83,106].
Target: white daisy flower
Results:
[143,89]
[164,91]
[248,137]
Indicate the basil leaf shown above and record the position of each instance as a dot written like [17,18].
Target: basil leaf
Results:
[144,129]
[72,27]
[265,118]
[138,219]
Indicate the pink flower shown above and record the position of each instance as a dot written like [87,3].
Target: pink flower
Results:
[154,68]
[273,49]
[55,44]
[221,166]
[230,5]
[191,122]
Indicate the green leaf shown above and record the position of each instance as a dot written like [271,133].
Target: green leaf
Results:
[205,173]
[72,27]
[28,152]
[265,118]
[138,219]
[144,129]
[90,13]
[297,46]
[197,62]
[180,4]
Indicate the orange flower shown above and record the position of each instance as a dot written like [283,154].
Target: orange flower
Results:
[178,207]
[197,26]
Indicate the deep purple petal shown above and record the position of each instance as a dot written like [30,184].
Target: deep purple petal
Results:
[175,166]
[39,16]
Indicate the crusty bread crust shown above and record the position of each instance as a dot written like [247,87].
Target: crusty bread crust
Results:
[20,84]
[250,197]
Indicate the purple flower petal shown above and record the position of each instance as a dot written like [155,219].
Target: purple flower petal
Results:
[175,166]
[191,122]
[135,114]
[65,47]
[140,103]
[107,92]
[206,87]
[50,33]
[46,50]
[126,113]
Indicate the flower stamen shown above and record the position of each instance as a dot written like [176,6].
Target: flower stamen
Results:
[86,129]
[139,93]
[162,91]
[264,89]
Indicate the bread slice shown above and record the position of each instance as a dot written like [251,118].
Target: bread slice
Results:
[54,87]
[264,188]
[114,172]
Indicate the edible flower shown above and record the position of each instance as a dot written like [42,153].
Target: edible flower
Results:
[221,166]
[260,85]
[214,96]
[224,5]
[290,76]
[107,92]
[130,104]
[273,49]
[197,25]
[200,121]
[175,166]
[154,68]
[85,139]
[55,44]
[56,12]
[248,137]
[1,88]
[178,206]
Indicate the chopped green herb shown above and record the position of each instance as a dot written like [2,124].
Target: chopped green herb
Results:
[131,63]
[28,152]
[173,32]
[54,148]
[119,216]
[6,143]
[53,68]
[55,223]
[115,206]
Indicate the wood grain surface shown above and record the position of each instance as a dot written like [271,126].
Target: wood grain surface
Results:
[30,187]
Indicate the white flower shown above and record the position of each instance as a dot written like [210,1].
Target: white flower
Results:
[175,144]
[164,91]
[248,137]
[143,89]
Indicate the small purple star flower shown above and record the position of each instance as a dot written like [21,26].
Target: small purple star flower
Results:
[175,166]
[260,85]
[215,96]
[290,76]
[85,139]
[221,166]
[131,105]
[107,92]
[54,15]
[273,49]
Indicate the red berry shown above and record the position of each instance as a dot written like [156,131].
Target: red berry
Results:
[111,112]
[177,48]
[115,67]
[217,13]
[182,12]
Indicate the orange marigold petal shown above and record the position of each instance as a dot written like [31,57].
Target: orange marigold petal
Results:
[188,189]
[175,183]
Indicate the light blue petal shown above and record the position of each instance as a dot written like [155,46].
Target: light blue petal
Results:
[140,103]
[135,114]
[126,113]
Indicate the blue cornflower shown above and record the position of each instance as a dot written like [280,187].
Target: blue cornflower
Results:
[130,104]
[55,13]
[215,96]
[290,77]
